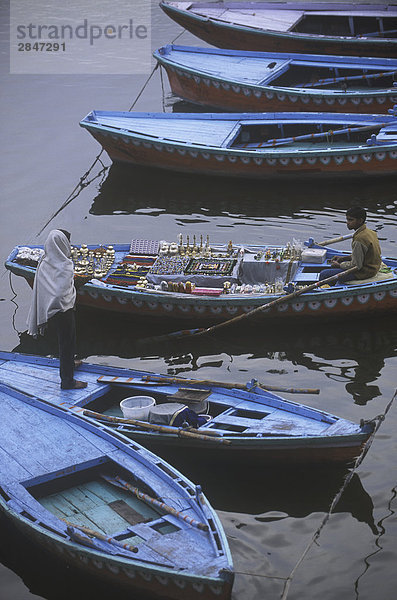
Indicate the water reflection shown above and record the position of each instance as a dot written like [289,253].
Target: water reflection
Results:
[130,189]
[364,345]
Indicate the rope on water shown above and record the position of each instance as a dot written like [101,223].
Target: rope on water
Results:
[83,183]
[178,36]
[287,580]
[379,548]
[380,419]
[162,89]
[144,85]
[16,306]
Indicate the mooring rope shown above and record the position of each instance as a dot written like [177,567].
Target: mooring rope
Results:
[83,183]
[144,86]
[287,580]
[16,306]
[162,89]
[178,36]
[377,544]
[380,419]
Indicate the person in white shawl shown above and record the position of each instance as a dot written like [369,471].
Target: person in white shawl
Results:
[54,296]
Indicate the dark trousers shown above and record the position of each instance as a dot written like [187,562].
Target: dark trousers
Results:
[65,324]
[331,272]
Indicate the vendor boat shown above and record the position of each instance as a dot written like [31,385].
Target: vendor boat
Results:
[209,421]
[101,503]
[253,145]
[194,282]
[239,80]
[310,27]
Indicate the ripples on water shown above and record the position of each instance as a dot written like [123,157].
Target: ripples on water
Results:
[269,516]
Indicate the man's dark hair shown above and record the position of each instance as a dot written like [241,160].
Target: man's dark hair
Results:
[357,212]
[67,233]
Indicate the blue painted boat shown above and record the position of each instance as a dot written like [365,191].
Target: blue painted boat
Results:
[347,28]
[143,283]
[239,80]
[245,424]
[104,504]
[253,145]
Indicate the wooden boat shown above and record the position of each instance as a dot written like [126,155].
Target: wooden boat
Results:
[243,423]
[240,80]
[254,145]
[219,282]
[309,27]
[102,503]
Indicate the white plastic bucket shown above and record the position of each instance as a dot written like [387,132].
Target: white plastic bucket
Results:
[137,407]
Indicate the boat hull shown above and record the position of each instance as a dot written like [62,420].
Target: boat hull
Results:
[206,312]
[337,303]
[248,425]
[255,165]
[150,582]
[207,91]
[269,452]
[224,35]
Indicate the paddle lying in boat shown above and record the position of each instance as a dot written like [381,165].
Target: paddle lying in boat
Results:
[244,424]
[338,28]
[237,144]
[101,503]
[196,283]
[239,80]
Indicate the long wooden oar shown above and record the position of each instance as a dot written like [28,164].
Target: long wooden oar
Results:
[153,380]
[272,303]
[119,482]
[330,80]
[179,431]
[229,386]
[316,136]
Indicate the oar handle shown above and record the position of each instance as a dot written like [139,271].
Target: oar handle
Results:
[335,240]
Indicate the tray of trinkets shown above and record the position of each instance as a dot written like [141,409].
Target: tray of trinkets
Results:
[210,266]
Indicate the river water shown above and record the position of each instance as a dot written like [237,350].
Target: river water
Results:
[269,516]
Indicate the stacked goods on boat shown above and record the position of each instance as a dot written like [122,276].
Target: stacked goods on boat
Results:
[195,267]
[190,266]
[193,280]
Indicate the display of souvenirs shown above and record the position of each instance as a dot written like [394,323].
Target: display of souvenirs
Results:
[210,266]
[29,256]
[170,265]
[93,262]
[145,247]
[289,252]
[131,271]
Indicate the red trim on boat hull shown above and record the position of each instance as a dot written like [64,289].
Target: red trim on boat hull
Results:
[240,101]
[153,153]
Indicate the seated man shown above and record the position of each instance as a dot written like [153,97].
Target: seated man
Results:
[366,253]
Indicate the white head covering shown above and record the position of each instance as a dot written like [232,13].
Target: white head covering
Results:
[53,288]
